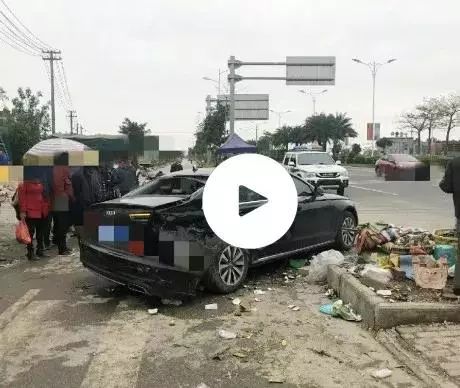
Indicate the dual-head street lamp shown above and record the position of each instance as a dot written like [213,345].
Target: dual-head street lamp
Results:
[373,67]
[279,114]
[313,96]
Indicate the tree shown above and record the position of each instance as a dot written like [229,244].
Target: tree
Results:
[431,112]
[449,108]
[210,132]
[323,128]
[3,97]
[282,137]
[383,143]
[129,127]
[28,123]
[135,132]
[414,121]
[356,149]
[264,143]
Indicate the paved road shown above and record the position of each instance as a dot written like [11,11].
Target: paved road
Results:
[62,326]
[420,204]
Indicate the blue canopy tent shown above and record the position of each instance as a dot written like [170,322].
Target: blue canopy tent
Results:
[236,145]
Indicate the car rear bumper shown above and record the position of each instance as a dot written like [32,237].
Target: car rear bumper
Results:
[138,273]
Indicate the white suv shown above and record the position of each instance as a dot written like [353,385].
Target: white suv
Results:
[317,168]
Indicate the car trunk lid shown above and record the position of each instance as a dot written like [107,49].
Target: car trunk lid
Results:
[126,224]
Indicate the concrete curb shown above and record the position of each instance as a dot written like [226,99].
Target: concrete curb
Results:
[377,313]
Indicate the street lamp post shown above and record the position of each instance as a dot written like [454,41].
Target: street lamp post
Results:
[279,114]
[313,96]
[373,67]
[216,81]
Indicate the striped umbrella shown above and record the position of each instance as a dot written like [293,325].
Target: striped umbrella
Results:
[43,153]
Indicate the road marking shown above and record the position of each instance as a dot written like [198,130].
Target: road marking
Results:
[8,315]
[374,190]
[118,358]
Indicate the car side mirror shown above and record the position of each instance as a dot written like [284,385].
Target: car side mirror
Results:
[318,191]
[291,164]
[338,162]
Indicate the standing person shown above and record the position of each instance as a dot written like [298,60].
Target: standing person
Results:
[34,209]
[176,166]
[62,199]
[87,187]
[450,184]
[124,177]
[48,222]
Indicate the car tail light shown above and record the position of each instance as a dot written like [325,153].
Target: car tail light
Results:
[139,216]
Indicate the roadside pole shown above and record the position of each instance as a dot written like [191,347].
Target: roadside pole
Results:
[231,80]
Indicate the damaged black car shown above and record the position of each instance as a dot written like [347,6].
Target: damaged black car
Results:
[156,240]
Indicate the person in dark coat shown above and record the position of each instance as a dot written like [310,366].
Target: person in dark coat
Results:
[176,166]
[62,200]
[124,177]
[87,185]
[450,184]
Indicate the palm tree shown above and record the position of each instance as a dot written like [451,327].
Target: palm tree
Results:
[324,128]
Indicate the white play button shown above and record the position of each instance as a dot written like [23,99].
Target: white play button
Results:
[257,187]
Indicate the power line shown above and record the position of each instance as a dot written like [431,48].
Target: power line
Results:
[25,27]
[58,95]
[66,83]
[61,88]
[17,37]
[17,46]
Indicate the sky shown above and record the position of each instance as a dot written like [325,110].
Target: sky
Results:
[146,59]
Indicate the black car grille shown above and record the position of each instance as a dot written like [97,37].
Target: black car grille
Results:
[327,174]
[329,182]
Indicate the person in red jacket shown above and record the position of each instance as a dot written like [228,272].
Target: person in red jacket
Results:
[34,208]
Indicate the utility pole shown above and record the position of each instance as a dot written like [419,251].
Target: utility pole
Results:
[72,115]
[53,55]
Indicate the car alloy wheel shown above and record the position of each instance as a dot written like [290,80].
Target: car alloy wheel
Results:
[348,233]
[231,265]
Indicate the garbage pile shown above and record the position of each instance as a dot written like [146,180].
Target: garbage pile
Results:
[6,193]
[391,253]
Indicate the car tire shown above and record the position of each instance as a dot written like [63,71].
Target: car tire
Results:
[341,191]
[345,239]
[378,172]
[228,271]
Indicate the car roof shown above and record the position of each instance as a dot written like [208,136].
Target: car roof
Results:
[308,152]
[189,172]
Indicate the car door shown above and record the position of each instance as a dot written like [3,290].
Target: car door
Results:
[316,219]
[391,165]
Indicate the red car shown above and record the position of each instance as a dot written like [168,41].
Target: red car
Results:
[402,167]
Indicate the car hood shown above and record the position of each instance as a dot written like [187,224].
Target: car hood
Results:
[332,197]
[321,168]
[145,200]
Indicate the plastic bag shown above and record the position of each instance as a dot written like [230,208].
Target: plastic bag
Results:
[319,263]
[338,309]
[22,233]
